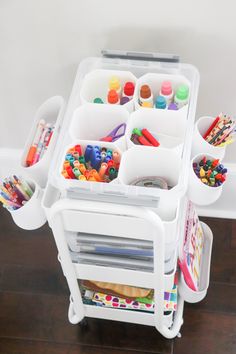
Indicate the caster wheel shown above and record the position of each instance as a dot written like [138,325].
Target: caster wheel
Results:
[83,323]
[179,335]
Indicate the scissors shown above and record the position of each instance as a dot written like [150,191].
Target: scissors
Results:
[113,135]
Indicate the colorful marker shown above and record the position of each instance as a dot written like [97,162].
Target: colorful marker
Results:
[166,91]
[181,96]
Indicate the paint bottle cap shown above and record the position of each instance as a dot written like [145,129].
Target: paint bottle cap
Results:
[124,100]
[182,92]
[129,89]
[172,106]
[114,83]
[145,91]
[147,104]
[98,100]
[112,97]
[166,88]
[160,102]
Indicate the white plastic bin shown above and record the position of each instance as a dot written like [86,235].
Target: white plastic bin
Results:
[95,121]
[198,192]
[154,81]
[96,83]
[31,216]
[142,161]
[200,145]
[168,127]
[187,293]
[51,111]
[70,183]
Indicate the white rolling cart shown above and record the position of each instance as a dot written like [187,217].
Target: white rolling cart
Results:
[118,209]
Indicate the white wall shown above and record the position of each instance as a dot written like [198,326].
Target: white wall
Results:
[41,43]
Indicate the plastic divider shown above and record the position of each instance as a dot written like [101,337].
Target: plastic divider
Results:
[95,121]
[51,111]
[200,145]
[142,161]
[188,294]
[167,126]
[198,192]
[30,216]
[95,84]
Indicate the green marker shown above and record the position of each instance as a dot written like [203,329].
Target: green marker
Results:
[98,100]
[137,132]
[77,172]
[181,96]
[82,159]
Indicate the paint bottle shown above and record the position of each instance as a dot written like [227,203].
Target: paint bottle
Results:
[128,90]
[145,95]
[181,96]
[113,97]
[160,102]
[114,84]
[98,100]
[167,91]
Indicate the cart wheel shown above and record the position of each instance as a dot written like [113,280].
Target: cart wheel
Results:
[83,323]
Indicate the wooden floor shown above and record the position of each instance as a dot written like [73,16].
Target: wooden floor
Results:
[34,303]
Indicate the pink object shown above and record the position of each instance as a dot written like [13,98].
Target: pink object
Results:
[166,88]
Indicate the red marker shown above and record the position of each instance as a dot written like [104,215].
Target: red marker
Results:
[144,141]
[211,127]
[150,137]
[70,172]
[78,149]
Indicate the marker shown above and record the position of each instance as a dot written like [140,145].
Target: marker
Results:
[33,148]
[134,139]
[137,131]
[103,169]
[160,102]
[181,96]
[211,127]
[145,95]
[166,91]
[144,141]
[82,178]
[150,137]
[113,97]
[128,90]
[98,100]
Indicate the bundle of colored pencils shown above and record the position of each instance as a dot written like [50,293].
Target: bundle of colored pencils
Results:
[221,131]
[14,193]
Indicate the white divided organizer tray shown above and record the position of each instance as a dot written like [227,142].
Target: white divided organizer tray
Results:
[121,232]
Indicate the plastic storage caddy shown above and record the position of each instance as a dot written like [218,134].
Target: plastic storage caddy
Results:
[122,192]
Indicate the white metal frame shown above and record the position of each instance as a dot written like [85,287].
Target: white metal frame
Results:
[66,215]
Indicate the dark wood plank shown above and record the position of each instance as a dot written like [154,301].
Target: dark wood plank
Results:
[18,346]
[18,246]
[206,333]
[44,318]
[223,254]
[28,279]
[220,298]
